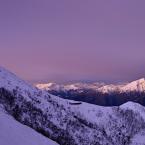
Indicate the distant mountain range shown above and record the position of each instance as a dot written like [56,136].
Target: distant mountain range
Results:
[99,93]
[63,121]
[138,85]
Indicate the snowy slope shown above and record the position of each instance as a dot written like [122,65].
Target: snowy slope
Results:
[138,85]
[70,123]
[14,133]
[50,86]
[110,88]
[139,139]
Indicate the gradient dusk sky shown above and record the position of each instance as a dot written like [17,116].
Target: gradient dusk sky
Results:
[67,40]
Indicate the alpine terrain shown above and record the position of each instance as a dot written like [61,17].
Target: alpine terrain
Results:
[63,121]
[99,93]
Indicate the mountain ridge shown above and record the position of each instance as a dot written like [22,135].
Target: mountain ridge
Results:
[137,85]
[70,123]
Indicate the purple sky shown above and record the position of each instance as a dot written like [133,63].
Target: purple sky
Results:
[63,40]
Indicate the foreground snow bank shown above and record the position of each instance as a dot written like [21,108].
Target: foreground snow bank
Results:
[14,133]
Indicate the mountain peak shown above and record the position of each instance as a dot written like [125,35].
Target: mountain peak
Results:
[138,85]
[142,80]
[46,86]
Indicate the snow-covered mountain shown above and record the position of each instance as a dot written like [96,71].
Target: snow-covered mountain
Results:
[100,93]
[71,123]
[67,87]
[50,86]
[110,88]
[138,85]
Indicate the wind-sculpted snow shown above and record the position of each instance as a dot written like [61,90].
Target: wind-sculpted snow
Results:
[71,123]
